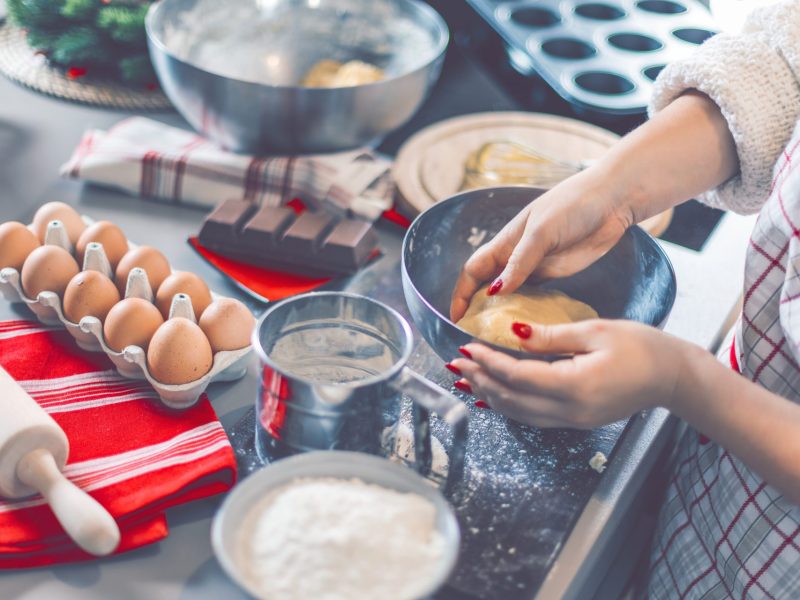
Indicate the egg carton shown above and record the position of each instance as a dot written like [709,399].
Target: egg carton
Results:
[228,365]
[602,55]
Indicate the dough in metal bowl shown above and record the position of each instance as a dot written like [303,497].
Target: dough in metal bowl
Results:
[489,318]
[332,74]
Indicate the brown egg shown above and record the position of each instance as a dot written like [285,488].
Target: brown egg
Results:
[131,322]
[58,211]
[179,352]
[89,293]
[228,324]
[183,282]
[48,268]
[103,232]
[151,260]
[16,243]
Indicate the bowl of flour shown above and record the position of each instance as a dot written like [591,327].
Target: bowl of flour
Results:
[332,525]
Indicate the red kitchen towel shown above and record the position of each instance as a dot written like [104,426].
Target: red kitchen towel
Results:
[136,457]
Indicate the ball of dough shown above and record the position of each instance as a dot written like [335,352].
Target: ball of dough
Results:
[490,318]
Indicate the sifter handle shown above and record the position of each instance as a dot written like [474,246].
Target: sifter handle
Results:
[430,398]
[82,517]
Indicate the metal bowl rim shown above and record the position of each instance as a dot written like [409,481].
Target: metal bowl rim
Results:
[518,353]
[386,375]
[450,531]
[430,13]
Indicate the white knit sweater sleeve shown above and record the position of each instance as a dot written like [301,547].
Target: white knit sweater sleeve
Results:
[753,78]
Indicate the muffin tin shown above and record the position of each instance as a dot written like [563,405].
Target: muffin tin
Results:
[600,55]
[132,361]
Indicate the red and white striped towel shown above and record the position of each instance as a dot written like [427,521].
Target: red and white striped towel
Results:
[152,160]
[134,456]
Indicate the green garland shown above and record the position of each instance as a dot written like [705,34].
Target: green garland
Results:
[103,37]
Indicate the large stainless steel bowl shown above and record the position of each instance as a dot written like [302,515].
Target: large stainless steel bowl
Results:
[233,69]
[634,280]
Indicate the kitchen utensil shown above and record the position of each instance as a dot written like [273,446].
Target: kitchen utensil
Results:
[599,55]
[334,372]
[226,530]
[634,280]
[431,164]
[503,162]
[33,451]
[263,108]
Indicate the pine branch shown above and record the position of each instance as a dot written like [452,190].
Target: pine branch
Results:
[137,69]
[31,14]
[122,23]
[107,38]
[77,46]
[82,10]
[39,40]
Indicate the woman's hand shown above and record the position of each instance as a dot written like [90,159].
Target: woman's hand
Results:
[621,367]
[682,151]
[563,231]
[618,368]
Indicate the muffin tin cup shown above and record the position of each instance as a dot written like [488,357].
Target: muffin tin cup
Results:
[131,363]
[602,55]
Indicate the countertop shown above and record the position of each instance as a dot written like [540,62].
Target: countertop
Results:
[37,134]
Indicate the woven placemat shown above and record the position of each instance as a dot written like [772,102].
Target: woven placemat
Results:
[20,63]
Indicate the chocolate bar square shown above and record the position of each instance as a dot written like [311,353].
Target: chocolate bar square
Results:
[265,229]
[350,243]
[306,234]
[223,225]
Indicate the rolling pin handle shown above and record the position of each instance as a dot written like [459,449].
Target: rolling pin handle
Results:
[82,517]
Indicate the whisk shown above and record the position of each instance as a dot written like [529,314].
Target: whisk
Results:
[507,162]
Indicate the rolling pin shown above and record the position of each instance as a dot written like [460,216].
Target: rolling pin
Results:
[33,451]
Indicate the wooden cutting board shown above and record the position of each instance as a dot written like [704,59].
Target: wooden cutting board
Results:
[430,165]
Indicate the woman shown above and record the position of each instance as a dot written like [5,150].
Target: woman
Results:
[724,120]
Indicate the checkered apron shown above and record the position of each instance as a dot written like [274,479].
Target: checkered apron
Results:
[723,531]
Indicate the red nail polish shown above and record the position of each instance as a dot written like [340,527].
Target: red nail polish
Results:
[463,386]
[522,330]
[465,352]
[453,369]
[495,287]
[482,404]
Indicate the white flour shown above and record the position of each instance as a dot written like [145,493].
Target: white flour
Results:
[332,539]
[400,442]
[598,462]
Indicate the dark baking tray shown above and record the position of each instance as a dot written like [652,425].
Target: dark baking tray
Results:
[523,488]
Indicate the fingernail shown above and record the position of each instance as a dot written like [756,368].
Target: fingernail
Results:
[465,352]
[482,404]
[522,330]
[453,369]
[495,287]
[463,386]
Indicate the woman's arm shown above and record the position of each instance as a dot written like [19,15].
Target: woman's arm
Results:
[683,150]
[621,367]
[758,427]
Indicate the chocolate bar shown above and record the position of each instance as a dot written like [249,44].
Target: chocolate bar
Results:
[311,243]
